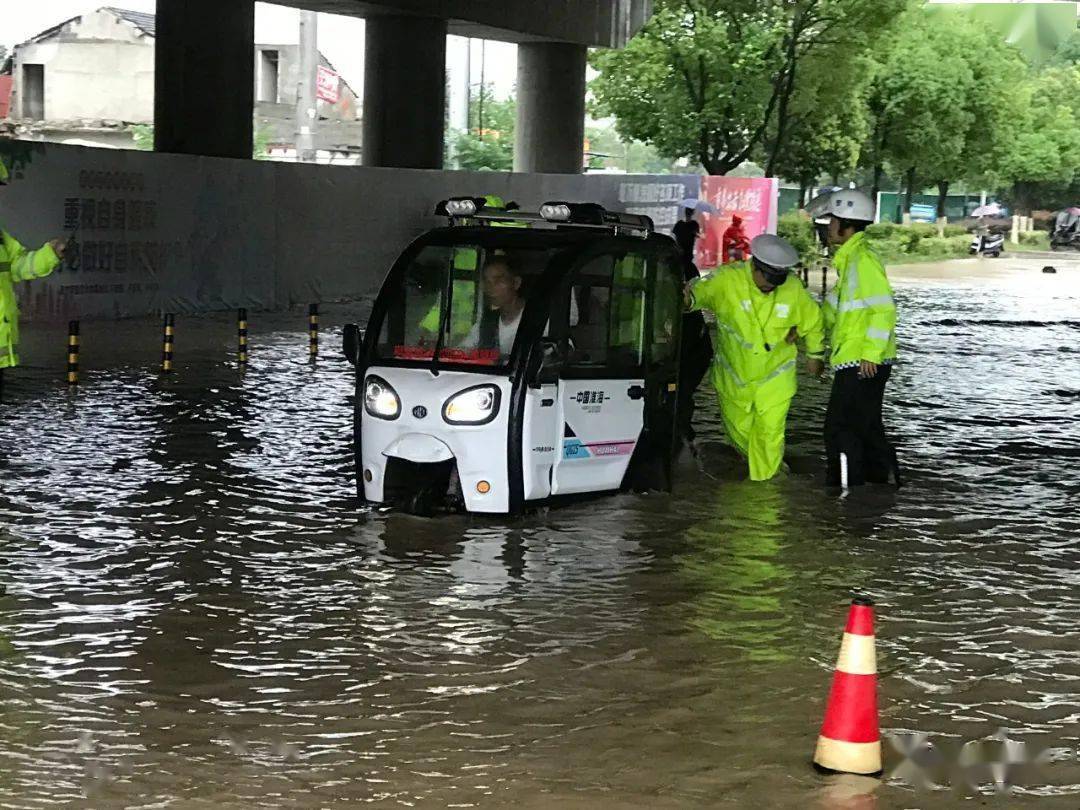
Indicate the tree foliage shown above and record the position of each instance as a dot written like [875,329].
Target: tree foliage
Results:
[489,143]
[142,136]
[609,151]
[713,79]
[1042,161]
[817,89]
[828,123]
[942,102]
[1068,52]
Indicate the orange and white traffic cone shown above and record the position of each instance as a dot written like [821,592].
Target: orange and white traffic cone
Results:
[850,740]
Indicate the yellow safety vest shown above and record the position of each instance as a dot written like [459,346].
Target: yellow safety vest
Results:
[17,264]
[860,311]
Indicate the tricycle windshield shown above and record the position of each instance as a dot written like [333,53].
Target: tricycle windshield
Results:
[464,301]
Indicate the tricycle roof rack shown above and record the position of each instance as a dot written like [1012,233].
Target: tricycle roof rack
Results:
[475,211]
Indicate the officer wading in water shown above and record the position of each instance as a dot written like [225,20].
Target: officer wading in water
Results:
[19,264]
[860,313]
[761,311]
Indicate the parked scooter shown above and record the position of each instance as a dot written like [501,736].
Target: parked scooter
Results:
[986,243]
[1066,233]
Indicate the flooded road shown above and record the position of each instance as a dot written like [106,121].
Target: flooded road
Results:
[198,614]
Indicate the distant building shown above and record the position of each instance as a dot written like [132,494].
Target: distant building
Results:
[277,77]
[89,79]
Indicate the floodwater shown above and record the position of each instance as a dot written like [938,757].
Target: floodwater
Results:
[198,614]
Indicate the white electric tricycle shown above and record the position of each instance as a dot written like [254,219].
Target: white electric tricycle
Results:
[512,359]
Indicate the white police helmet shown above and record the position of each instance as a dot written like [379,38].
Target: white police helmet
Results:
[845,203]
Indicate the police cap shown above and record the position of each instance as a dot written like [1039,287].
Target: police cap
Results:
[774,252]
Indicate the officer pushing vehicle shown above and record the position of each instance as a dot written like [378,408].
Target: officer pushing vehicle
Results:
[761,311]
[550,371]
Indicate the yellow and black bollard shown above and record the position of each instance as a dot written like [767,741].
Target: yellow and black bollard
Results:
[73,353]
[313,331]
[242,337]
[167,346]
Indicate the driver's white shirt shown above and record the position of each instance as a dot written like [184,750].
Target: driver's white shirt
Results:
[507,333]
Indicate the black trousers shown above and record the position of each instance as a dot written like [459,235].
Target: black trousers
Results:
[695,359]
[853,426]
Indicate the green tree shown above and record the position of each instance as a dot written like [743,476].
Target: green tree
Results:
[609,151]
[1042,161]
[917,103]
[142,136]
[828,122]
[489,143]
[711,79]
[1068,52]
[992,105]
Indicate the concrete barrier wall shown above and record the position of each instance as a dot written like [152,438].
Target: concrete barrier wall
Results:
[187,234]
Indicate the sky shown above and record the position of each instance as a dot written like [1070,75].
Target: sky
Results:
[341,39]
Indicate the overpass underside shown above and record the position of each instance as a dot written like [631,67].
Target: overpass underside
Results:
[205,74]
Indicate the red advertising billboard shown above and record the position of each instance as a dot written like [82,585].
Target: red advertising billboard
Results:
[752,199]
[5,96]
[328,87]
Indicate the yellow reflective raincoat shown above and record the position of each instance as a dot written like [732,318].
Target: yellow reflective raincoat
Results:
[860,312]
[17,264]
[754,365]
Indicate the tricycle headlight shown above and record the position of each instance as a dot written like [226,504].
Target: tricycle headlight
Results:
[473,406]
[380,399]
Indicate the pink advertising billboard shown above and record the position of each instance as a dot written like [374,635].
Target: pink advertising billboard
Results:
[753,199]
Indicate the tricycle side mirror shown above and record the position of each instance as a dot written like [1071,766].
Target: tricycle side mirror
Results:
[352,340]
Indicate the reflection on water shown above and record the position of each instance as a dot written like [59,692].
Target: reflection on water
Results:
[198,614]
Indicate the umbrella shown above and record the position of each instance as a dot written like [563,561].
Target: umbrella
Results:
[699,206]
[990,210]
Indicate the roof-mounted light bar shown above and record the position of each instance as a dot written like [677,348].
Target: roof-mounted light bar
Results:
[465,207]
[558,213]
[555,212]
[459,207]
[595,215]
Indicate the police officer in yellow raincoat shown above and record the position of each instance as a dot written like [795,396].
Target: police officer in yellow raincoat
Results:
[761,310]
[860,314]
[19,264]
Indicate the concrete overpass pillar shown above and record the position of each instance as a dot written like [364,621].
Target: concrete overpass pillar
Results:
[550,131]
[404,91]
[205,81]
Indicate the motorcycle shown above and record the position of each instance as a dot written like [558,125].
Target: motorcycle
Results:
[1066,233]
[987,244]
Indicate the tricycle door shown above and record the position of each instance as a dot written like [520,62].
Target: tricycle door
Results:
[539,440]
[601,390]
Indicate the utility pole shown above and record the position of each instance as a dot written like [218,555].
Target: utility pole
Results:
[307,113]
[468,86]
[483,89]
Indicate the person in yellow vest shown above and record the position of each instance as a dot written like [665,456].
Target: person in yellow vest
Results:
[860,314]
[761,310]
[19,264]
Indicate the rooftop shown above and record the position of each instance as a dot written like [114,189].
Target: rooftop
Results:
[147,23]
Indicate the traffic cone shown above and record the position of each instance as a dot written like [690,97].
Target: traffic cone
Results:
[850,740]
